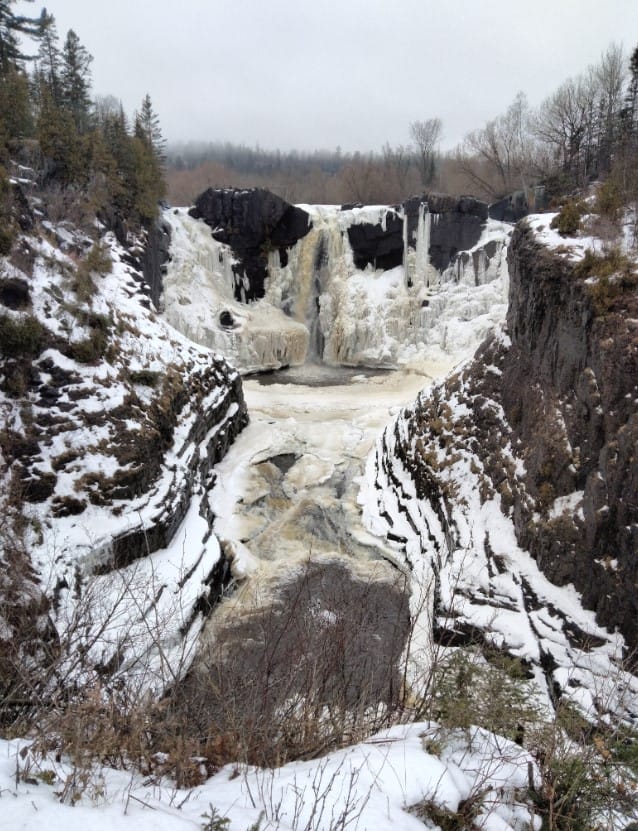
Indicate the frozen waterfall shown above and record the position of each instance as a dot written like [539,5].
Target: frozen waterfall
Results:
[319,305]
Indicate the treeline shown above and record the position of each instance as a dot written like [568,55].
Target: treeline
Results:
[85,154]
[587,129]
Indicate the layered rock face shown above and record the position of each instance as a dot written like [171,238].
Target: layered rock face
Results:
[543,423]
[112,424]
[570,394]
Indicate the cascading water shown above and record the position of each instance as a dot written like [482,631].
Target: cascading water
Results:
[319,305]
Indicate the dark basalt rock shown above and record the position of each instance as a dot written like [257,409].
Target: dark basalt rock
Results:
[14,293]
[458,226]
[511,208]
[154,258]
[226,319]
[21,209]
[253,223]
[575,365]
[376,245]
[561,401]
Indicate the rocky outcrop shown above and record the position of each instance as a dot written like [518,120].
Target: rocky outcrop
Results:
[379,245]
[112,425]
[457,226]
[546,425]
[154,257]
[570,393]
[253,223]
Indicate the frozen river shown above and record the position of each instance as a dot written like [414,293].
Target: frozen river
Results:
[288,487]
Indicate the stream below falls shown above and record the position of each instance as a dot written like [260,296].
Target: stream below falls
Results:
[323,614]
[288,488]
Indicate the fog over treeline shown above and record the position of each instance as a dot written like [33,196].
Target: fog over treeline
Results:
[585,130]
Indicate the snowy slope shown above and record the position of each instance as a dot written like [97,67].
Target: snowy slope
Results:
[389,781]
[110,425]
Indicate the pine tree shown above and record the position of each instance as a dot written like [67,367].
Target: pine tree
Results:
[60,143]
[16,120]
[147,128]
[48,61]
[11,27]
[76,80]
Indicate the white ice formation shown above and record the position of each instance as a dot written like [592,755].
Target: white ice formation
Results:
[320,306]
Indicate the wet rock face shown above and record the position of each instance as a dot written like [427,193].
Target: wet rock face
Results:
[458,225]
[253,223]
[154,257]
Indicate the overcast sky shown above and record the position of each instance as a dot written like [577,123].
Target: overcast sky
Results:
[353,73]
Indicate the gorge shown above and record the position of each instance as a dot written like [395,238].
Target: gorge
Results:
[358,480]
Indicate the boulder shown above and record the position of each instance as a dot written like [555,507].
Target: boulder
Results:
[253,223]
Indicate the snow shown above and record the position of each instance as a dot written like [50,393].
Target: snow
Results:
[371,785]
[141,610]
[474,592]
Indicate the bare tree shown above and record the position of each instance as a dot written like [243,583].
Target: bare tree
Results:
[425,135]
[499,158]
[610,75]
[397,162]
[566,122]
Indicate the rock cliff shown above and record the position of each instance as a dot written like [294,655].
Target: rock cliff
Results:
[569,391]
[253,223]
[520,469]
[112,423]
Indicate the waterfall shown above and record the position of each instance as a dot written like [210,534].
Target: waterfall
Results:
[318,305]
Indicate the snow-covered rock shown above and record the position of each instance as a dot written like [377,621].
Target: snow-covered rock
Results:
[111,424]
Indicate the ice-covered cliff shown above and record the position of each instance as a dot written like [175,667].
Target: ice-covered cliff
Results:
[111,424]
[510,488]
[363,286]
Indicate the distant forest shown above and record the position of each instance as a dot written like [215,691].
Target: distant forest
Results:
[587,129]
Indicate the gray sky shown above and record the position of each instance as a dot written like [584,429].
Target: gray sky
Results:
[354,73]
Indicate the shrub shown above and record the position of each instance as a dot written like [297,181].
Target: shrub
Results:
[23,336]
[145,376]
[97,261]
[567,221]
[615,273]
[609,200]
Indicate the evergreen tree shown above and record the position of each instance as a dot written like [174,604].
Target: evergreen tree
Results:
[60,143]
[147,128]
[11,26]
[16,121]
[48,66]
[76,80]
[629,114]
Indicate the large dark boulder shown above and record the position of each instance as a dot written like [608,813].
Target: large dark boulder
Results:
[378,245]
[253,223]
[458,225]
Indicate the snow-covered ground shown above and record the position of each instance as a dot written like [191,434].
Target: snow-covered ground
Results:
[367,787]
